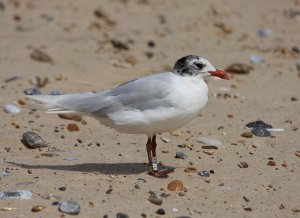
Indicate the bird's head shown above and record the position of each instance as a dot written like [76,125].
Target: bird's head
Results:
[193,65]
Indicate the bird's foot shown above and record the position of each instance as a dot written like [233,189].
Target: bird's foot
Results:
[159,173]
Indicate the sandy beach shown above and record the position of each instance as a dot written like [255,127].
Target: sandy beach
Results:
[82,46]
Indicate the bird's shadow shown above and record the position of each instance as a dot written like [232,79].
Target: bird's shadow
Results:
[104,168]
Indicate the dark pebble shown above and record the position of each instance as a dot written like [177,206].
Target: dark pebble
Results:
[204,173]
[122,215]
[151,44]
[260,132]
[258,123]
[40,56]
[154,199]
[33,140]
[55,203]
[109,191]
[62,188]
[246,199]
[161,211]
[119,45]
[180,155]
[32,91]
[181,146]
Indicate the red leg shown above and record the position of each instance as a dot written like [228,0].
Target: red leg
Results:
[149,149]
[156,172]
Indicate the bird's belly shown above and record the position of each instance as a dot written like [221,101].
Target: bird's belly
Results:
[153,121]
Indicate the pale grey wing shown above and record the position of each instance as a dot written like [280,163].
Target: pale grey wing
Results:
[141,94]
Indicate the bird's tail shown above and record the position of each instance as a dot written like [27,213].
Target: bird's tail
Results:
[58,104]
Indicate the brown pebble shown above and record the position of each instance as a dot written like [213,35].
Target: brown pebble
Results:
[271,163]
[176,133]
[21,102]
[41,56]
[72,127]
[190,170]
[281,206]
[243,165]
[175,185]
[284,164]
[29,171]
[208,152]
[247,135]
[297,153]
[247,208]
[296,210]
[62,188]
[75,117]
[37,208]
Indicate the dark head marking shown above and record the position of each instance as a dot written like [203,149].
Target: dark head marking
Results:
[188,65]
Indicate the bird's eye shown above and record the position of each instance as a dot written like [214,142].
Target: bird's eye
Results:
[199,65]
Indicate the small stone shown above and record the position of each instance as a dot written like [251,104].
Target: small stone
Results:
[224,27]
[248,209]
[71,116]
[122,215]
[72,127]
[243,165]
[255,59]
[70,158]
[265,32]
[165,140]
[209,141]
[180,155]
[258,123]
[297,153]
[281,206]
[239,68]
[21,102]
[119,45]
[69,207]
[62,188]
[190,170]
[18,194]
[154,199]
[109,191]
[296,210]
[37,208]
[175,185]
[271,163]
[204,173]
[209,147]
[38,81]
[33,140]
[294,99]
[151,44]
[247,135]
[246,199]
[29,171]
[12,109]
[261,132]
[160,211]
[7,208]
[40,56]
[32,91]
[208,152]
[54,92]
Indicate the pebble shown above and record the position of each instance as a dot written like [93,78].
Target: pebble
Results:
[180,155]
[33,140]
[265,32]
[255,59]
[71,116]
[208,152]
[122,215]
[4,173]
[70,207]
[271,163]
[165,140]
[261,132]
[243,165]
[32,91]
[70,158]
[7,208]
[297,153]
[190,170]
[154,198]
[13,78]
[247,135]
[18,194]
[258,123]
[204,173]
[38,81]
[119,45]
[160,211]
[72,127]
[239,68]
[40,56]
[54,92]
[37,208]
[209,141]
[12,109]
[175,185]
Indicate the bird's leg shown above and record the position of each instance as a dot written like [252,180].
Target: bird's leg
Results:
[155,172]
[149,150]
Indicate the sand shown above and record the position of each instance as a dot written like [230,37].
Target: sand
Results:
[149,37]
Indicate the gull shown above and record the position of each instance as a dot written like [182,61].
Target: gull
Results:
[148,105]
